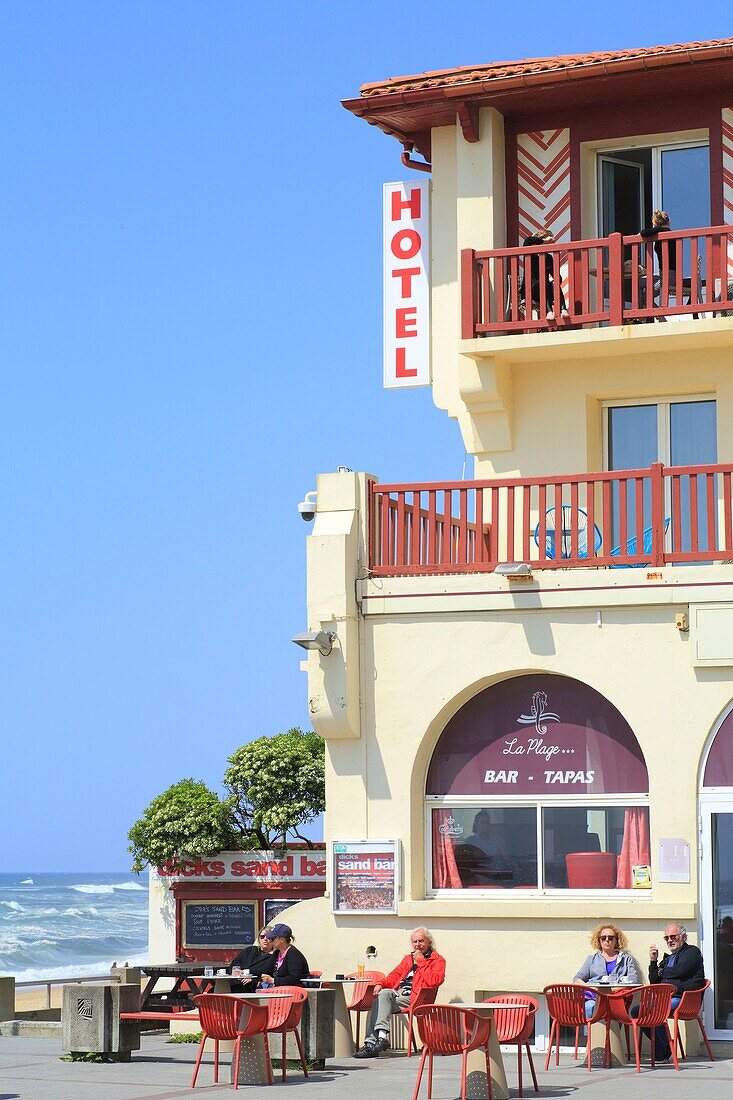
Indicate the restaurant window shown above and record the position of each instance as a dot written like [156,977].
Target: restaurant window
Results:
[538,783]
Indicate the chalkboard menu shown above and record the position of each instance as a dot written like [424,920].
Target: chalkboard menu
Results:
[219,924]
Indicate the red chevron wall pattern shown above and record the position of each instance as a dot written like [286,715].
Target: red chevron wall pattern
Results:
[728,178]
[543,170]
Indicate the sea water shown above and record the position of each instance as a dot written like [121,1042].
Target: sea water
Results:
[66,924]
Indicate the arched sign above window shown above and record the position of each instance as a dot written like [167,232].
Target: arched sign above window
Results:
[719,764]
[537,735]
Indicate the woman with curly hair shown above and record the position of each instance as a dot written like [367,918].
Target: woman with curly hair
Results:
[610,961]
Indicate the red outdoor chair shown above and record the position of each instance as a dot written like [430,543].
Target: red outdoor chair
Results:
[513,1024]
[566,1006]
[448,1029]
[283,1015]
[219,1016]
[426,996]
[363,995]
[591,870]
[690,1008]
[654,1008]
[316,974]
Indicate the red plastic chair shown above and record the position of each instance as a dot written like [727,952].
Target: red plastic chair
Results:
[363,995]
[316,974]
[566,1006]
[690,1008]
[591,870]
[448,1029]
[219,1016]
[426,996]
[654,1008]
[283,1015]
[514,1024]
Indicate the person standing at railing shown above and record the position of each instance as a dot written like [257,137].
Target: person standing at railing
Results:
[542,236]
[661,224]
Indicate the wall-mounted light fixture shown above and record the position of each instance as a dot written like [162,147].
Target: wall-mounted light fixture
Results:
[514,570]
[321,640]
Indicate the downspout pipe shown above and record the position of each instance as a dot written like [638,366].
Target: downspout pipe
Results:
[416,165]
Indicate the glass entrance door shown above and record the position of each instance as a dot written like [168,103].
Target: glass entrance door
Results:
[716,905]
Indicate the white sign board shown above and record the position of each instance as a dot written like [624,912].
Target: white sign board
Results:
[406,249]
[674,860]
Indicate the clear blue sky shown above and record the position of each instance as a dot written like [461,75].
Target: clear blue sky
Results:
[191,296]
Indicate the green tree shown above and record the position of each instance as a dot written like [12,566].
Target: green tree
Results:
[277,785]
[185,821]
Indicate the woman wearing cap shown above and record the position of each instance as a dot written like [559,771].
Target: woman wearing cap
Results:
[288,966]
[257,958]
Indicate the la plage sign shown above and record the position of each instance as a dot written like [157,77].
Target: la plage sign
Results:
[406,250]
[263,867]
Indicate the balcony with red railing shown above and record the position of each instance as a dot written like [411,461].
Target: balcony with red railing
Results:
[612,281]
[657,516]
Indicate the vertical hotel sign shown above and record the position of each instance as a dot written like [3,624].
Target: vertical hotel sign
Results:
[406,284]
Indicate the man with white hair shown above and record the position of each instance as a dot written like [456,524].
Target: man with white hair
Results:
[681,966]
[423,968]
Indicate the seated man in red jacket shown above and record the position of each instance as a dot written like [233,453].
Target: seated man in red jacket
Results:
[423,968]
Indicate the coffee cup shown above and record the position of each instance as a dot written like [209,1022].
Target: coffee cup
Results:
[245,973]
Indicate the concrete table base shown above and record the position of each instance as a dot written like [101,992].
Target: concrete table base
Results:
[476,1083]
[252,1062]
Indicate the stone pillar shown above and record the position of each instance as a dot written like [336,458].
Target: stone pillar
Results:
[7,998]
[316,1029]
[90,1018]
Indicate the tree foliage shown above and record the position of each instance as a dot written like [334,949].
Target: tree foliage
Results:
[185,821]
[277,785]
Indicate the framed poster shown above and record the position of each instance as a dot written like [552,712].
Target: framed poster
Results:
[365,876]
[275,906]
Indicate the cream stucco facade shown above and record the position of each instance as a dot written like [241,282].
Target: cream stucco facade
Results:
[411,650]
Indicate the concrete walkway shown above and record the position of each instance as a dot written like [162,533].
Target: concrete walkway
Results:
[30,1069]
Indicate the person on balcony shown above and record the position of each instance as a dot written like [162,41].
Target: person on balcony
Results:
[542,236]
[610,962]
[660,224]
[423,968]
[681,966]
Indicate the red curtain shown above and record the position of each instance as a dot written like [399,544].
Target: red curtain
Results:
[445,869]
[635,848]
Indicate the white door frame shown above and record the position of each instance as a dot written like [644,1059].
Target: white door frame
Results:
[711,802]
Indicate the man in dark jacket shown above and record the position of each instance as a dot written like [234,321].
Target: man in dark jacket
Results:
[682,967]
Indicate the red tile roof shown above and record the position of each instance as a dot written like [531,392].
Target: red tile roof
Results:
[541,70]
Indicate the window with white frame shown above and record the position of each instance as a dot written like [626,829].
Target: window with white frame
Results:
[537,783]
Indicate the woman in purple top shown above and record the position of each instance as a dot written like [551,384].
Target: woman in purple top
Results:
[289,965]
[609,962]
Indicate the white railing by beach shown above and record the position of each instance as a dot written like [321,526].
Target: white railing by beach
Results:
[40,983]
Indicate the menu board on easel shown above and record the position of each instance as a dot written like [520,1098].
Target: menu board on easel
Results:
[365,876]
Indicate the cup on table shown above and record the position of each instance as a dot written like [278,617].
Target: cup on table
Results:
[221,972]
[245,974]
[360,970]
[339,977]
[208,972]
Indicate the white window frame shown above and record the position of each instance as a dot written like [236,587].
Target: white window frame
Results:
[663,405]
[479,802]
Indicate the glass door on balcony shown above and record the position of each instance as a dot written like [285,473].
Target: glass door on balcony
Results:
[622,186]
[678,432]
[681,183]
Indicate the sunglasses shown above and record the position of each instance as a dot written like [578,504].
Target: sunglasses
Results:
[606,937]
[674,937]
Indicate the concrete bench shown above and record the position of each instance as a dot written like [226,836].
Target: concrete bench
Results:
[159,1016]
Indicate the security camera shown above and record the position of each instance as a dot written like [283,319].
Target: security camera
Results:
[307,507]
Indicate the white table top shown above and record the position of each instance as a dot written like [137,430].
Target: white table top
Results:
[262,995]
[337,981]
[481,1004]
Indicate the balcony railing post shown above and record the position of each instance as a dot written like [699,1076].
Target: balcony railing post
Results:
[469,294]
[657,480]
[616,278]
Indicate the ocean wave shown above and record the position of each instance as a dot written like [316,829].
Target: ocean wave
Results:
[15,906]
[86,888]
[79,970]
[26,882]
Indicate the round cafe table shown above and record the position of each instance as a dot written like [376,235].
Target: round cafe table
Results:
[252,1055]
[343,1043]
[598,1030]
[476,1084]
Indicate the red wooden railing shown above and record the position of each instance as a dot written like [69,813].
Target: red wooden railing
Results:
[614,280]
[654,516]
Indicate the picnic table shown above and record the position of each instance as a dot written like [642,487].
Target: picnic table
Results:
[152,1000]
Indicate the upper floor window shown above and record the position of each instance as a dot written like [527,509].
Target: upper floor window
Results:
[537,782]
